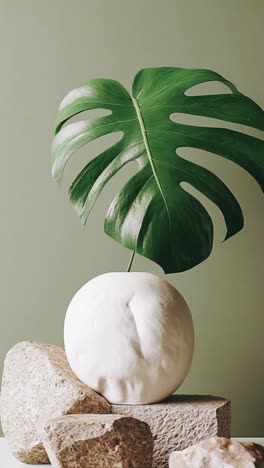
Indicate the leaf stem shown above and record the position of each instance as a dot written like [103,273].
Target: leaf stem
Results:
[131,261]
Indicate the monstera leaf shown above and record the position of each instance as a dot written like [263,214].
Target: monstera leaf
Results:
[153,214]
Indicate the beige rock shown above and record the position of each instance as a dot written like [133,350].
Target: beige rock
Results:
[219,452]
[181,421]
[38,385]
[98,441]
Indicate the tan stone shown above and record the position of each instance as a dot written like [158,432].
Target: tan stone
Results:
[181,421]
[217,452]
[38,385]
[98,441]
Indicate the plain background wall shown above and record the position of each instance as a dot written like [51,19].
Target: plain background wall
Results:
[48,48]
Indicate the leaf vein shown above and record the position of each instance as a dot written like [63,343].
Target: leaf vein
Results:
[144,135]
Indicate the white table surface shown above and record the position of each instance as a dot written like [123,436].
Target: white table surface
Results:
[8,461]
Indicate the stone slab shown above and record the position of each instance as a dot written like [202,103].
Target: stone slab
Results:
[98,441]
[38,385]
[181,421]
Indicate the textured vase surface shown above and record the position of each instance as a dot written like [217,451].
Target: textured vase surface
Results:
[130,337]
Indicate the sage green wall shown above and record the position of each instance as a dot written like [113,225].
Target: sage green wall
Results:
[46,49]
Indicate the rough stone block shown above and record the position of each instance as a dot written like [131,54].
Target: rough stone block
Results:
[181,421]
[219,452]
[98,441]
[38,385]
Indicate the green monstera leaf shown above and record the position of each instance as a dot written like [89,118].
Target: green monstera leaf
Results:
[152,214]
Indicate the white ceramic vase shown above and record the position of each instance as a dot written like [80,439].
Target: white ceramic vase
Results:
[130,337]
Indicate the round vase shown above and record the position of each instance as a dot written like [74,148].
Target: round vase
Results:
[130,337]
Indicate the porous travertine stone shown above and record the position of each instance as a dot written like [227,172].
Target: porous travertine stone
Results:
[38,385]
[219,452]
[98,441]
[181,421]
[129,336]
